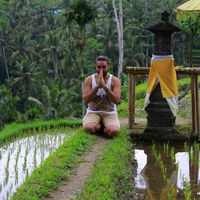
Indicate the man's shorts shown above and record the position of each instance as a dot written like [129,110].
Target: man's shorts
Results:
[101,118]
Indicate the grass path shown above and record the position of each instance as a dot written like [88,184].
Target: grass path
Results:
[69,189]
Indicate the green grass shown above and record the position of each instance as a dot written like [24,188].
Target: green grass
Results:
[13,130]
[112,174]
[122,109]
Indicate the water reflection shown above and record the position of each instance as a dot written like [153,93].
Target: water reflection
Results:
[167,172]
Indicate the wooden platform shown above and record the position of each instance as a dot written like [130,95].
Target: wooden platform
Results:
[183,134]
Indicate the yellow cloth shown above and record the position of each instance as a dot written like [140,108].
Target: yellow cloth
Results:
[164,70]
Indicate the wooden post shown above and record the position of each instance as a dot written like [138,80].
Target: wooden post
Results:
[197,102]
[130,100]
[194,108]
[134,85]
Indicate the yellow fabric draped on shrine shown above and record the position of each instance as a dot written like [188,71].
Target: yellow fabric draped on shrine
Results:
[164,72]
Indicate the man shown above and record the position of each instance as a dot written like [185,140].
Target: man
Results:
[102,93]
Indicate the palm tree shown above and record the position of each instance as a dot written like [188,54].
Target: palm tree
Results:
[53,22]
[3,37]
[67,30]
[20,5]
[132,54]
[22,49]
[82,12]
[68,59]
[108,36]
[25,74]
[52,45]
[8,112]
[54,103]
[106,9]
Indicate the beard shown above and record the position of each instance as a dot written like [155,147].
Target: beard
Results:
[104,74]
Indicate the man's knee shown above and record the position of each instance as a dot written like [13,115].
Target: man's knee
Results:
[91,127]
[112,131]
[88,127]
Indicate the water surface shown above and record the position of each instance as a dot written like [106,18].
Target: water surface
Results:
[167,172]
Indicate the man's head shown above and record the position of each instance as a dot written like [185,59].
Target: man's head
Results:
[102,63]
[102,58]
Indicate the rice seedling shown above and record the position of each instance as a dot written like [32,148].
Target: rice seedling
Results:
[167,147]
[186,147]
[7,176]
[23,156]
[172,155]
[7,194]
[171,195]
[8,160]
[167,181]
[34,157]
[16,177]
[187,188]
[153,148]
[48,128]
[177,166]
[26,174]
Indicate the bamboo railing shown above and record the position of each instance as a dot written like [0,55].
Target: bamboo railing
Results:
[193,72]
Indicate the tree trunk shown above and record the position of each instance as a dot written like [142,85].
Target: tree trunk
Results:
[121,47]
[82,85]
[82,69]
[4,55]
[120,34]
[54,64]
[147,53]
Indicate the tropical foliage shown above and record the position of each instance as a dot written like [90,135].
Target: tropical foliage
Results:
[47,48]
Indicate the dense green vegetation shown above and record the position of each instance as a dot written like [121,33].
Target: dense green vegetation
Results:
[46,52]
[14,130]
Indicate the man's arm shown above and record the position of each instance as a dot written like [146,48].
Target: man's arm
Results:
[89,94]
[115,93]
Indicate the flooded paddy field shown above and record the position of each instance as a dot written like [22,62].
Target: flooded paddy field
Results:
[18,159]
[167,171]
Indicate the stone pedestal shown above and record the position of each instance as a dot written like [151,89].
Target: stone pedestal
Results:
[160,118]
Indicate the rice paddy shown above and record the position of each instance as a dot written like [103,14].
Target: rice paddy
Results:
[18,159]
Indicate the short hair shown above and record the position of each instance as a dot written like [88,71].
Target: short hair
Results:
[102,58]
